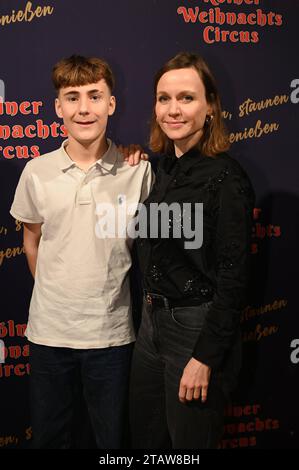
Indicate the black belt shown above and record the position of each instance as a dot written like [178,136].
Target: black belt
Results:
[157,300]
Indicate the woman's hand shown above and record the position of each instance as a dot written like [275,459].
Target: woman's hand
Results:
[133,153]
[195,381]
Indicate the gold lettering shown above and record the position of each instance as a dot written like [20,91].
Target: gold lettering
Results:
[249,106]
[39,12]
[254,132]
[259,333]
[26,15]
[5,441]
[10,252]
[250,312]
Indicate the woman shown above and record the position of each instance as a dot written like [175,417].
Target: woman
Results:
[187,354]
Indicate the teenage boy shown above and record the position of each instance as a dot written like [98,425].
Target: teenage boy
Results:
[80,313]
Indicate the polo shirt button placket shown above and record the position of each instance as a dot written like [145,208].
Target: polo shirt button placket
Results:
[83,193]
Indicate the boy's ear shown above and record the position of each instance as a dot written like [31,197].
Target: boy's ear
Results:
[58,108]
[112,105]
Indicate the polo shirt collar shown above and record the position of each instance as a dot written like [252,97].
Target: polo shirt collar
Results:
[109,158]
[65,161]
[107,161]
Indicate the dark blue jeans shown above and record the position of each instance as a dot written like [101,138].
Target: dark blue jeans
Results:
[53,385]
[163,348]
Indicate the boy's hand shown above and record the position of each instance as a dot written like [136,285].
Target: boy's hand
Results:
[133,153]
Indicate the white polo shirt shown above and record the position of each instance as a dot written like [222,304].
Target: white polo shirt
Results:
[81,295]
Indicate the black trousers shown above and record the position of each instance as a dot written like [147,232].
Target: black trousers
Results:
[158,419]
[53,385]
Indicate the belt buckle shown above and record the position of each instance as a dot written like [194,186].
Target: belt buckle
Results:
[149,299]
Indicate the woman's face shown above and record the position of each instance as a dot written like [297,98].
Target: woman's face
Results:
[181,107]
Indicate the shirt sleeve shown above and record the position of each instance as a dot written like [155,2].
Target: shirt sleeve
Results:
[25,205]
[232,255]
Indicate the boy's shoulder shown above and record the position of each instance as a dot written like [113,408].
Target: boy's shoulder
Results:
[44,161]
[143,166]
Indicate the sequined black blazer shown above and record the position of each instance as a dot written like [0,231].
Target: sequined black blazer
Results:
[218,270]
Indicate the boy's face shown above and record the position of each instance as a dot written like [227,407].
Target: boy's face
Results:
[85,110]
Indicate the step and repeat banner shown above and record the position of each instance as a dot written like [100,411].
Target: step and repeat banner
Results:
[252,47]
